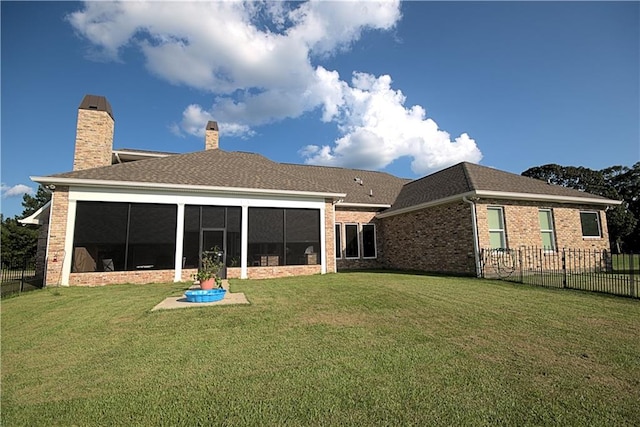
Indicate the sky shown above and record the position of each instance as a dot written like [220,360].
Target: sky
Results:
[403,87]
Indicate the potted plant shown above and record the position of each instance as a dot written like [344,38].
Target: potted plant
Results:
[209,272]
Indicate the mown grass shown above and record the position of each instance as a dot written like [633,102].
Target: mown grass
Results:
[341,349]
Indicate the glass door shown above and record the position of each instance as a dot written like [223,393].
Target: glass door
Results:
[213,238]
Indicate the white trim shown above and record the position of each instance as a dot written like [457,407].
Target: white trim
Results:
[181,187]
[503,195]
[68,243]
[598,219]
[177,264]
[244,241]
[546,198]
[36,217]
[357,225]
[363,205]
[338,254]
[375,240]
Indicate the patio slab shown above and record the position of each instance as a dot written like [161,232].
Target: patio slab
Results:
[181,301]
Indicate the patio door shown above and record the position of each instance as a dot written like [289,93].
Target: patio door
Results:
[212,238]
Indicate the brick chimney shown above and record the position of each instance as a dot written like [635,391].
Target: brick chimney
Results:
[94,133]
[211,136]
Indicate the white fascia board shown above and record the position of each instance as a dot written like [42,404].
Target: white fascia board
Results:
[36,218]
[546,198]
[96,183]
[363,205]
[506,196]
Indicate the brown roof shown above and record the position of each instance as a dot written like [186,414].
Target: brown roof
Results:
[211,168]
[360,186]
[219,168]
[467,177]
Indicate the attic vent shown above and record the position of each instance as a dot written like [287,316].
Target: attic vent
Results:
[358,180]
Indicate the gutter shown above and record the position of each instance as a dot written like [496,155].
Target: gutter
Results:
[181,187]
[474,225]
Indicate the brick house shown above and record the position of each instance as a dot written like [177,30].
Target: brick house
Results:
[141,216]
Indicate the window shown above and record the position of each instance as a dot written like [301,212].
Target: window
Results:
[545,218]
[283,237]
[368,241]
[495,217]
[338,241]
[352,243]
[590,222]
[124,236]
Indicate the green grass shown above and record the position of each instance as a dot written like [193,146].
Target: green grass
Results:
[342,349]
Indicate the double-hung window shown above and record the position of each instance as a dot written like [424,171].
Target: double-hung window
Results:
[545,218]
[368,240]
[351,240]
[338,241]
[497,237]
[590,223]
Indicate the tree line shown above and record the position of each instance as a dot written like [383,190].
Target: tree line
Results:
[615,182]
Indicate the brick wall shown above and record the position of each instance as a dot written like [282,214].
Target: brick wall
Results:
[94,139]
[275,271]
[57,234]
[357,216]
[329,253]
[523,229]
[437,239]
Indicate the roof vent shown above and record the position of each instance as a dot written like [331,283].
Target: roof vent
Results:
[358,180]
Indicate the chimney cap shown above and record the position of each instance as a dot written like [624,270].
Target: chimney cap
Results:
[212,125]
[96,103]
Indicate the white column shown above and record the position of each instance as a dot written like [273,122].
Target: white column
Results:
[179,241]
[323,242]
[68,243]
[244,239]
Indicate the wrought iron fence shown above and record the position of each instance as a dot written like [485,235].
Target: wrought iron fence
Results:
[19,276]
[588,270]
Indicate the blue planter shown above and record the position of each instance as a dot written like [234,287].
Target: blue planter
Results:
[209,295]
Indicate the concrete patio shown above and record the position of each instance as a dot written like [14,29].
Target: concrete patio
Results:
[181,301]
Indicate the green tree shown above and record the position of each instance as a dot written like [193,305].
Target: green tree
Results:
[615,182]
[33,203]
[19,240]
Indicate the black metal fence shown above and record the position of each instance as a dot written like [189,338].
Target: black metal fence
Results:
[19,276]
[588,270]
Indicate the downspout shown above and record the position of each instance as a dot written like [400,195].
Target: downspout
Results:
[476,246]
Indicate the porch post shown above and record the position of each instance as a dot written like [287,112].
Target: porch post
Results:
[244,241]
[177,276]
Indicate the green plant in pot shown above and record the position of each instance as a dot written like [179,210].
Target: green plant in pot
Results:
[209,272]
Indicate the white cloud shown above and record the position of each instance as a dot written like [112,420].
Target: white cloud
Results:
[15,191]
[262,63]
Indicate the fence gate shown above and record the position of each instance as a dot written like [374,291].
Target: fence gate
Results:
[587,270]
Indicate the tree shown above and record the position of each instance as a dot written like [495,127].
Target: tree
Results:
[615,182]
[33,203]
[18,240]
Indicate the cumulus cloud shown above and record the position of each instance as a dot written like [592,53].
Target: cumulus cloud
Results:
[15,191]
[261,61]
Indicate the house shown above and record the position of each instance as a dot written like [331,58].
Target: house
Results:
[141,216]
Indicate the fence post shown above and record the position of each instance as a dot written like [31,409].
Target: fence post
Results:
[632,280]
[24,267]
[564,268]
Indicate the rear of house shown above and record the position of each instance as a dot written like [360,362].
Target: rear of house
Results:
[139,216]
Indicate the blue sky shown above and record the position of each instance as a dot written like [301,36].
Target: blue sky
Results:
[408,88]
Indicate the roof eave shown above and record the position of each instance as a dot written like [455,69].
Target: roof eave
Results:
[507,196]
[37,218]
[180,187]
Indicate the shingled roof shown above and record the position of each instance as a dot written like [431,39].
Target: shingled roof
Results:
[469,179]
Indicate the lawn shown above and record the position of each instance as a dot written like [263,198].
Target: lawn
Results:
[341,349]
